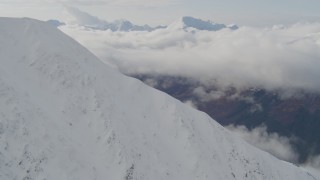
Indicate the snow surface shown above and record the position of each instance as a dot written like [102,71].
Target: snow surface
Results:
[65,115]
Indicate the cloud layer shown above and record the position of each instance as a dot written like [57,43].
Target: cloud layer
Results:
[279,57]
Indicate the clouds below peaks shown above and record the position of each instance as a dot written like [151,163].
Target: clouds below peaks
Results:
[280,57]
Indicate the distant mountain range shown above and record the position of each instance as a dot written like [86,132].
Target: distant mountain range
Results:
[185,23]
[189,23]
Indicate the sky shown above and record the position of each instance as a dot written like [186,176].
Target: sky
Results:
[155,12]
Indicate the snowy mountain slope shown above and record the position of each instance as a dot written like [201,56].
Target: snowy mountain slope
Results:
[189,23]
[66,115]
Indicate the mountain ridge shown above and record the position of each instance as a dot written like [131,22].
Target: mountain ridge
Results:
[185,23]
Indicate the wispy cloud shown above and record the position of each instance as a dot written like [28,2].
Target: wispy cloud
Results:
[313,165]
[313,161]
[273,143]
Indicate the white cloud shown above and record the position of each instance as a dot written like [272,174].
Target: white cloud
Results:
[281,57]
[151,82]
[79,17]
[313,165]
[190,103]
[207,95]
[276,145]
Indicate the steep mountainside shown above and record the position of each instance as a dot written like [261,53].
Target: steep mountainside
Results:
[66,115]
[296,116]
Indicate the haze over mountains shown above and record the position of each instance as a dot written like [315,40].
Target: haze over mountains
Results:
[66,115]
[186,23]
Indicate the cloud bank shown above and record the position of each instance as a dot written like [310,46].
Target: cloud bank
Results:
[275,58]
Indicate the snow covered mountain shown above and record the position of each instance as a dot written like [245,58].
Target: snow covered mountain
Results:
[190,23]
[185,23]
[66,115]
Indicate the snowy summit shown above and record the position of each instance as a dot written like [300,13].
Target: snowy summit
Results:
[65,115]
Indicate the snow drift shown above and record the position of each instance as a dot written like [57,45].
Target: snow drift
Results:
[66,115]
